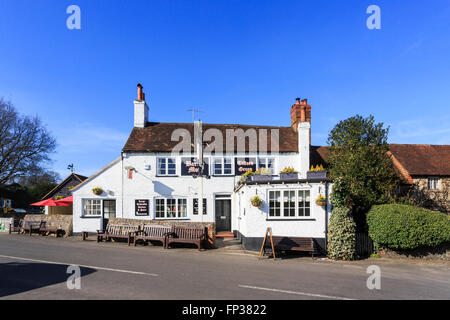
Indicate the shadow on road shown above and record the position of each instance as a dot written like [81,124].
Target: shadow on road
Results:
[21,277]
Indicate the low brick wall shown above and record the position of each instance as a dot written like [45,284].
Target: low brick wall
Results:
[63,222]
[137,222]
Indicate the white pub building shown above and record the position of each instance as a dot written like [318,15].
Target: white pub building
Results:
[157,179]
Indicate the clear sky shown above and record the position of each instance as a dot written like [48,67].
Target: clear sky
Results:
[239,61]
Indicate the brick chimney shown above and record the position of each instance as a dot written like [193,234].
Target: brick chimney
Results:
[300,112]
[301,123]
[140,108]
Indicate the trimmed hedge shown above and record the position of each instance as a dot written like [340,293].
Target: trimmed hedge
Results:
[398,226]
[341,235]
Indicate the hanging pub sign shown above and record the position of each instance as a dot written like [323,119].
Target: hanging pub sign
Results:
[142,207]
[190,166]
[242,165]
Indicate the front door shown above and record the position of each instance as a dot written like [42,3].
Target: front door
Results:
[109,211]
[223,215]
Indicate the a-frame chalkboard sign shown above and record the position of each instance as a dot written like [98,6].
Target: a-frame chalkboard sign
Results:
[263,247]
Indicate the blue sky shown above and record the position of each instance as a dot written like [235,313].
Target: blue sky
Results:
[239,61]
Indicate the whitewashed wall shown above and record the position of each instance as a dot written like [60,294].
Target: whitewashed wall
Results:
[253,221]
[145,185]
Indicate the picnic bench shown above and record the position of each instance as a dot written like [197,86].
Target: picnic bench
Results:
[117,232]
[154,232]
[30,226]
[45,229]
[194,235]
[294,244]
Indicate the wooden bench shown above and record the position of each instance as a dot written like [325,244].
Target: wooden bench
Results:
[153,232]
[117,232]
[45,229]
[281,243]
[194,235]
[30,226]
[15,227]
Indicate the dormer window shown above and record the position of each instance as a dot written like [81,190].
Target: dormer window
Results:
[222,166]
[433,183]
[267,163]
[166,167]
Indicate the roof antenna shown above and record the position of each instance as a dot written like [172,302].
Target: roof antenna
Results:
[70,167]
[193,113]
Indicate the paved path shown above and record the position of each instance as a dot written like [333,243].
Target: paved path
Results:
[35,268]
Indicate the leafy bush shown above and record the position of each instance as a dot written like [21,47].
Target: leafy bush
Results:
[398,226]
[341,235]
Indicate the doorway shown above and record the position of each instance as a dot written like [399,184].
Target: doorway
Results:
[223,214]
[109,211]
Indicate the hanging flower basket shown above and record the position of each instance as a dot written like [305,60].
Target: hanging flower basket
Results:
[256,201]
[97,191]
[321,201]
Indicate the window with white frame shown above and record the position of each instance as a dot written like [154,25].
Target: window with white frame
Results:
[267,163]
[92,207]
[222,166]
[433,183]
[289,204]
[173,208]
[166,166]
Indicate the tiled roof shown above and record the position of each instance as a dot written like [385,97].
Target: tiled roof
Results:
[156,137]
[422,159]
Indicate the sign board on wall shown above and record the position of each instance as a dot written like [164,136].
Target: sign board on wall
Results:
[190,166]
[142,207]
[242,165]
[4,224]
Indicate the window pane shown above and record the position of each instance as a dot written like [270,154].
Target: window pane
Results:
[171,167]
[262,163]
[289,203]
[217,166]
[227,166]
[161,166]
[182,208]
[274,203]
[171,208]
[160,208]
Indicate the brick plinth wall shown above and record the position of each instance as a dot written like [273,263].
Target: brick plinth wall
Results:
[138,222]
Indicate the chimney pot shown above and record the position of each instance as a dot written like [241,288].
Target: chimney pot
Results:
[140,92]
[298,101]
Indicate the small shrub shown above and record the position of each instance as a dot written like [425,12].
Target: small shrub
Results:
[341,235]
[404,227]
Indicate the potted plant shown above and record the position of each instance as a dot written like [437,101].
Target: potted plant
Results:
[97,190]
[288,173]
[318,172]
[256,201]
[321,200]
[262,174]
[247,176]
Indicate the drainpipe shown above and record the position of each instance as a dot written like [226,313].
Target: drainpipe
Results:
[326,217]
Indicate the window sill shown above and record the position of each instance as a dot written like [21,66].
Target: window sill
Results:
[290,219]
[90,217]
[167,176]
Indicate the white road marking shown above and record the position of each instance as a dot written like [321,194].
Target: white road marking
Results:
[80,265]
[296,292]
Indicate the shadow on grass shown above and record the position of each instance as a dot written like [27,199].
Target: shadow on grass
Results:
[18,277]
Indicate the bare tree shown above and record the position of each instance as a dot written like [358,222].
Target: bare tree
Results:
[25,144]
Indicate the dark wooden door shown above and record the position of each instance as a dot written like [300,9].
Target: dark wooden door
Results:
[223,215]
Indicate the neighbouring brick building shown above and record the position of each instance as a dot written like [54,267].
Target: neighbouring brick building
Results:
[425,173]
